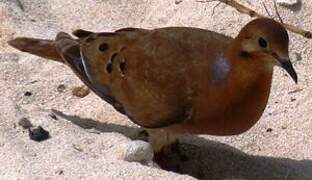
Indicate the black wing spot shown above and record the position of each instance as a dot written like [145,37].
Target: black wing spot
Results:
[109,68]
[122,67]
[103,47]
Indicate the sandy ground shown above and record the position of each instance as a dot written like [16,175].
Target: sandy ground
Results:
[86,140]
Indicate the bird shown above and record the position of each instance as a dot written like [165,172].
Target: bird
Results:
[176,80]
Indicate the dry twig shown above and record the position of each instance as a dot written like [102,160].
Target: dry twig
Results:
[277,13]
[214,8]
[266,9]
[245,10]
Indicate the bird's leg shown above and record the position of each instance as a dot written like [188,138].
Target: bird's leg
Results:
[166,147]
[252,13]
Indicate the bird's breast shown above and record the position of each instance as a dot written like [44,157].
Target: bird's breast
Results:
[227,108]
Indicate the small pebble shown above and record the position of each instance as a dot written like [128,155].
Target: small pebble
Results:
[27,93]
[298,56]
[59,172]
[77,148]
[61,88]
[25,123]
[80,91]
[178,1]
[33,82]
[38,134]
[293,99]
[269,130]
[53,116]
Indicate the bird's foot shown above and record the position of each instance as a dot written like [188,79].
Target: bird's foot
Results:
[170,156]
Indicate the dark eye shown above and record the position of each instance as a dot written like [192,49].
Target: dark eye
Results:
[103,47]
[262,43]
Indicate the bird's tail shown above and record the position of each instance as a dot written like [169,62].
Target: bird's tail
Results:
[40,47]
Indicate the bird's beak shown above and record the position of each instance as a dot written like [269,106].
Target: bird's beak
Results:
[286,64]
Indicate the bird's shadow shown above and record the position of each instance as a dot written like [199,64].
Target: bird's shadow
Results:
[208,159]
[87,123]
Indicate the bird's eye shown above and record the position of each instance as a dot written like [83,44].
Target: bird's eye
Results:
[262,43]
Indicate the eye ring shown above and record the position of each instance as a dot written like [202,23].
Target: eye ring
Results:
[262,43]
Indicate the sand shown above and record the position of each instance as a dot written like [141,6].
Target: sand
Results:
[88,137]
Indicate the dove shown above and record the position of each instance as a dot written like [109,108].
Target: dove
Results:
[176,80]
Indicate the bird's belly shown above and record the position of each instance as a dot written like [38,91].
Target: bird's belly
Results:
[231,122]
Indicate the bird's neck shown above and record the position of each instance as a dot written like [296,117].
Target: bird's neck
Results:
[246,69]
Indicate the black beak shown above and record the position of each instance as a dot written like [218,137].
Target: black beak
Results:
[290,69]
[287,65]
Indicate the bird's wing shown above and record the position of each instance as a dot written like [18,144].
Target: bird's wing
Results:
[149,72]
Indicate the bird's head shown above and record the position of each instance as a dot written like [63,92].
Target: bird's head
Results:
[266,40]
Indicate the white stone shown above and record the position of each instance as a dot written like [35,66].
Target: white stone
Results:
[137,151]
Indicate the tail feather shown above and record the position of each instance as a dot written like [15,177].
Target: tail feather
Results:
[65,49]
[40,47]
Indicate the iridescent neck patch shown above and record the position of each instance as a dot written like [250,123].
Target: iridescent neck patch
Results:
[220,69]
